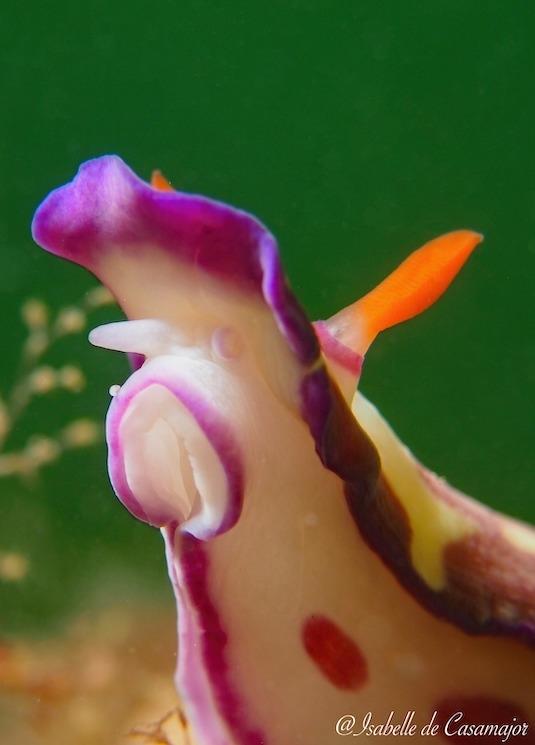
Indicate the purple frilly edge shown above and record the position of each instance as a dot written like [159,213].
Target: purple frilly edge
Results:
[107,206]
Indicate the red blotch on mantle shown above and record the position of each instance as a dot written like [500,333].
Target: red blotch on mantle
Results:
[335,653]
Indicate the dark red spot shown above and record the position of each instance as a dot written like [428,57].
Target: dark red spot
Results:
[481,710]
[336,655]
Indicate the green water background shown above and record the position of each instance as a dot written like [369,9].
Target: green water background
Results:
[356,131]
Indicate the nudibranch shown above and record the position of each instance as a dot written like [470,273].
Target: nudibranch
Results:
[319,569]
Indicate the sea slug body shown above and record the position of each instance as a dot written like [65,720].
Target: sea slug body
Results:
[318,568]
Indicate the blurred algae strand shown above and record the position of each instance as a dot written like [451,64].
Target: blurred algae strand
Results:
[35,379]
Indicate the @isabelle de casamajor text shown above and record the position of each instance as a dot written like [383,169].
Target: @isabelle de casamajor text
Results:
[407,726]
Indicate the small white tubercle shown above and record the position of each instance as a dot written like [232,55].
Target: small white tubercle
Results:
[150,337]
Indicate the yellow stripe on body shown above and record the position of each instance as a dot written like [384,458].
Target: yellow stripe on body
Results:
[434,524]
